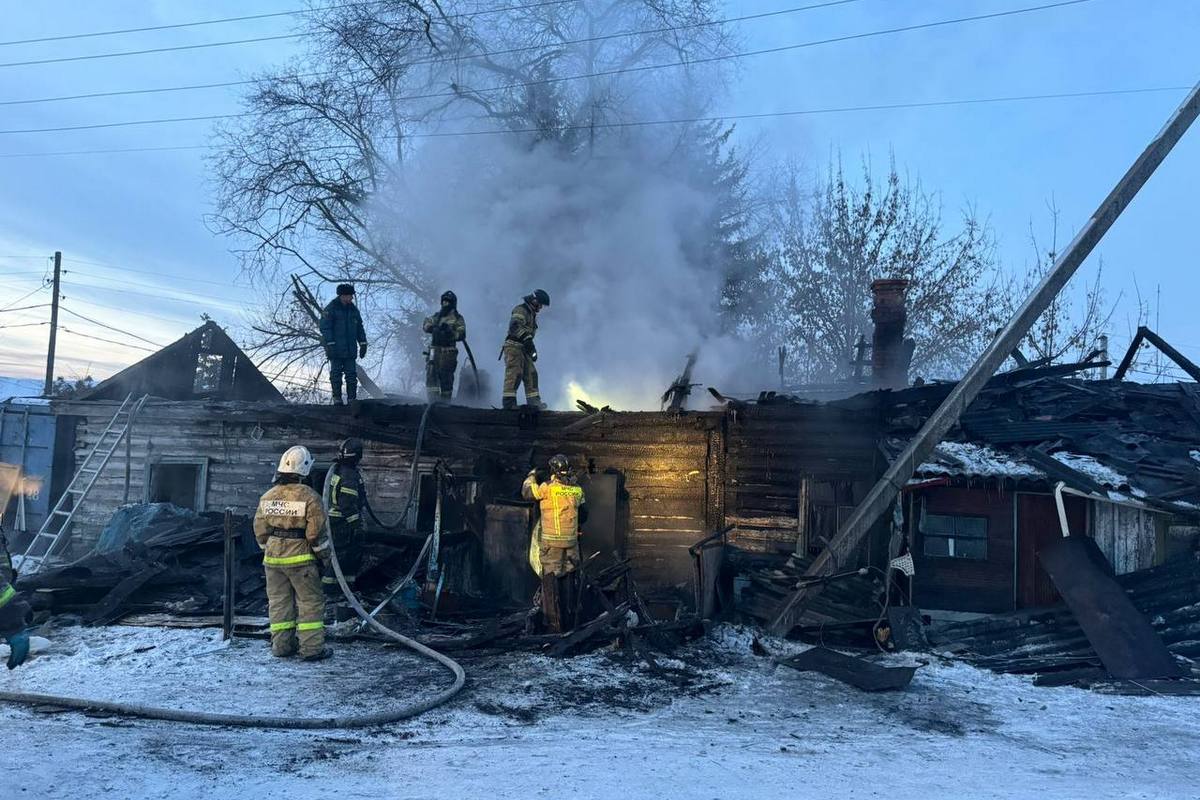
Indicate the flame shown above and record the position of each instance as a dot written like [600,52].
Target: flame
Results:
[576,392]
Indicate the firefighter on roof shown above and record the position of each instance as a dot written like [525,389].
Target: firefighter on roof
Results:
[520,354]
[446,329]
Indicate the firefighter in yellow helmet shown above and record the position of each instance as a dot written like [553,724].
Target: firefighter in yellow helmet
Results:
[563,510]
[290,528]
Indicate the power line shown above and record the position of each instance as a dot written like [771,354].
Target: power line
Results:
[95,338]
[450,59]
[121,269]
[7,310]
[598,74]
[177,25]
[683,120]
[88,301]
[162,294]
[123,53]
[24,325]
[41,288]
[110,327]
[251,17]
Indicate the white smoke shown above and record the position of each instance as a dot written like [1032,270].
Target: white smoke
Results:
[617,238]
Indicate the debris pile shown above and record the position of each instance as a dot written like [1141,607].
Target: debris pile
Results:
[1050,643]
[153,558]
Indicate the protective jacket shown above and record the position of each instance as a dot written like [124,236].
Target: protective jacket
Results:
[446,330]
[522,326]
[560,503]
[347,493]
[289,526]
[342,329]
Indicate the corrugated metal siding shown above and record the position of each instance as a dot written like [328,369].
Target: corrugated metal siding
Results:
[1127,536]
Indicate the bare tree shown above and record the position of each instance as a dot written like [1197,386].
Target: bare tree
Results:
[1078,315]
[829,243]
[301,177]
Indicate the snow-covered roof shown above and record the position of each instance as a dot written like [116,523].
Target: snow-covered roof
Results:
[970,459]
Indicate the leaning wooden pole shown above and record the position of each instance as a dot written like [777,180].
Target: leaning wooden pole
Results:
[843,545]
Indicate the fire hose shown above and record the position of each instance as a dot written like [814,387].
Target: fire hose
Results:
[288,723]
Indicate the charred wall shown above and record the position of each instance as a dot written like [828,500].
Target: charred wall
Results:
[681,476]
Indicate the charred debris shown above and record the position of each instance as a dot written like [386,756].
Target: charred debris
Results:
[697,516]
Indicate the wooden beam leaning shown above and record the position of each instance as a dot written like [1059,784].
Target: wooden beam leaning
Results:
[843,545]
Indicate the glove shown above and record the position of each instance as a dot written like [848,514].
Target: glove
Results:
[528,347]
[329,352]
[326,567]
[533,356]
[362,350]
[18,645]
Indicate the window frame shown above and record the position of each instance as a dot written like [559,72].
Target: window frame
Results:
[955,535]
[200,462]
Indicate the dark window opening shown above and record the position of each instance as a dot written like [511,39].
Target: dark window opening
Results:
[954,536]
[175,483]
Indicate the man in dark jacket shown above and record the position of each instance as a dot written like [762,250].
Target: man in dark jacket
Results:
[344,339]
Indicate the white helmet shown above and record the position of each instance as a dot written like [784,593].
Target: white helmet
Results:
[296,461]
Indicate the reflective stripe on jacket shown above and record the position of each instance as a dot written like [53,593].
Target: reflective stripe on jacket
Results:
[560,504]
[7,592]
[522,326]
[292,507]
[346,493]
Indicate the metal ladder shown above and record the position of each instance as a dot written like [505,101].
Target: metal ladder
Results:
[55,529]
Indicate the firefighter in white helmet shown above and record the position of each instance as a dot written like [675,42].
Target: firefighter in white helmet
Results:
[290,528]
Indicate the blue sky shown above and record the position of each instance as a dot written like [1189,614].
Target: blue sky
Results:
[139,257]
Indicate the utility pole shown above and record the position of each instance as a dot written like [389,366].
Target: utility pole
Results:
[53,325]
[841,548]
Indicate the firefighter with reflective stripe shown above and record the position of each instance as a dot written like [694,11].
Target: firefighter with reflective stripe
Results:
[290,528]
[563,509]
[13,610]
[346,502]
[520,354]
[446,329]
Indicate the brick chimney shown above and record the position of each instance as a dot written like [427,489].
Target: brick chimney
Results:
[891,353]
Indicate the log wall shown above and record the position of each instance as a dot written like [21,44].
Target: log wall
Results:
[683,476]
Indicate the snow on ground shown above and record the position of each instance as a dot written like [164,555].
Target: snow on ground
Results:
[717,722]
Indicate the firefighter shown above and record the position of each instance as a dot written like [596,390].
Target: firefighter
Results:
[347,500]
[519,352]
[343,337]
[446,329]
[289,526]
[563,510]
[13,610]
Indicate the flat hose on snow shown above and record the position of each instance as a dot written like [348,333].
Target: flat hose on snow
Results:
[288,723]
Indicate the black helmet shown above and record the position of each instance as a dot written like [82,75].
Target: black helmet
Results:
[351,450]
[541,296]
[559,465]
[344,288]
[451,296]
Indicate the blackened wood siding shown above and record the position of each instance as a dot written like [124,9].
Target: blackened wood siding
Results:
[961,584]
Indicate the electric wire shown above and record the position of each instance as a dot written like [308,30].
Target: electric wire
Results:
[676,121]
[251,17]
[23,308]
[597,74]
[449,59]
[96,338]
[109,327]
